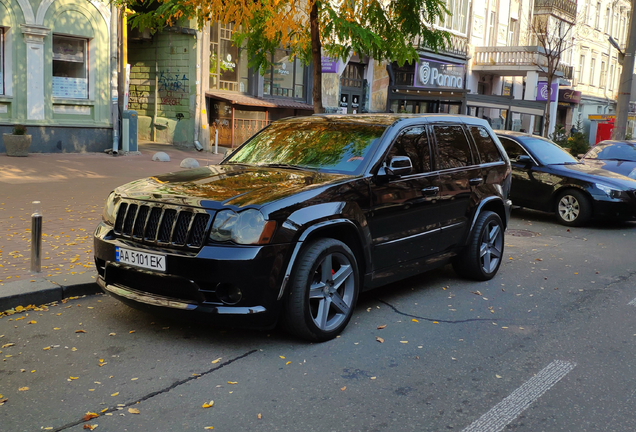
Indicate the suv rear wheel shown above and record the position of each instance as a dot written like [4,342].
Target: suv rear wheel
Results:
[481,258]
[323,292]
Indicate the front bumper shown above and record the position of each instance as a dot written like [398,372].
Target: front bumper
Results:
[605,208]
[193,281]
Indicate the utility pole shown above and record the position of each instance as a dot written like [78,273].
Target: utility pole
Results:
[625,84]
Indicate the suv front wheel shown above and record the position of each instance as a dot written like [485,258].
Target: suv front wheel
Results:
[481,258]
[323,292]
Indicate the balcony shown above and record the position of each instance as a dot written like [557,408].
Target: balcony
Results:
[564,9]
[515,61]
[458,46]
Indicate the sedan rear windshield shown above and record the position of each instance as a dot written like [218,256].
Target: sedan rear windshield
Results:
[619,152]
[547,152]
[331,147]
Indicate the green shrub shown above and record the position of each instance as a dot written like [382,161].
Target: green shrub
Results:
[19,130]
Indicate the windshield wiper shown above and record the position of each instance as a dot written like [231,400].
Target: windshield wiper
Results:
[281,165]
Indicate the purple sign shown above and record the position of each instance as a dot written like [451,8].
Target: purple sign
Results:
[435,74]
[329,65]
[542,91]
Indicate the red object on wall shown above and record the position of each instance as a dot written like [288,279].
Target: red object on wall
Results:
[604,131]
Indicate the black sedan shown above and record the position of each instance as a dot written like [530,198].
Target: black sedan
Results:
[615,156]
[547,178]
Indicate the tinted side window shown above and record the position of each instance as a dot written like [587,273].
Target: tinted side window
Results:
[485,145]
[452,146]
[512,148]
[413,143]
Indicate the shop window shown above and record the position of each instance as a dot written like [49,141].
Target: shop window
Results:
[286,76]
[414,144]
[453,148]
[485,145]
[70,68]
[352,75]
[228,63]
[1,60]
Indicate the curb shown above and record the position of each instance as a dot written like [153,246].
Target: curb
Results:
[39,290]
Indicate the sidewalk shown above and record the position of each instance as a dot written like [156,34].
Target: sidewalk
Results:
[72,189]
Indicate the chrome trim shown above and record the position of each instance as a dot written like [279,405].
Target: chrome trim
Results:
[410,237]
[452,226]
[146,298]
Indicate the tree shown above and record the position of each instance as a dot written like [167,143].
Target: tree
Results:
[555,36]
[385,30]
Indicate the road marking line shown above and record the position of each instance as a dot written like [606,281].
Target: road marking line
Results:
[632,303]
[518,401]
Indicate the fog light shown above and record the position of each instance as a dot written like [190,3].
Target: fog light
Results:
[229,294]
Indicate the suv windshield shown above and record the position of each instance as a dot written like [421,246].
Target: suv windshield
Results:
[547,152]
[325,146]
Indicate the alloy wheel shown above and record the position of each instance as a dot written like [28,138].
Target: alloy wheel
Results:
[491,246]
[331,292]
[569,208]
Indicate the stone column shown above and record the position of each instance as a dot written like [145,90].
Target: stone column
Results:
[34,37]
[532,79]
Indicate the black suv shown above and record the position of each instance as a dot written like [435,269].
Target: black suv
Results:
[306,214]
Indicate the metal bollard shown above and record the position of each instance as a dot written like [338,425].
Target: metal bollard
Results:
[36,238]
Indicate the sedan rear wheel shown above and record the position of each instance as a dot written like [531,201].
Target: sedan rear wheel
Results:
[324,290]
[573,208]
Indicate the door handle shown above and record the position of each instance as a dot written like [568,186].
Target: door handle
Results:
[430,191]
[475,181]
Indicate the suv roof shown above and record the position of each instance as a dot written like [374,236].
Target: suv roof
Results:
[388,119]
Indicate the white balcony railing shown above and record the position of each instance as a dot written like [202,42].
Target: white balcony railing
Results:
[519,58]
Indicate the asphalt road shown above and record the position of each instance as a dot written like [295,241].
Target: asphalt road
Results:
[547,345]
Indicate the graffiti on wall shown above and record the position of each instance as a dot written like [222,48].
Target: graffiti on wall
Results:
[173,87]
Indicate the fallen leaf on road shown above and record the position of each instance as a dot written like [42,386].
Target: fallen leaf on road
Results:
[111,334]
[380,327]
[32,322]
[232,382]
[73,378]
[90,426]
[80,331]
[259,416]
[23,389]
[133,410]
[216,361]
[404,341]
[497,376]
[90,415]
[379,339]
[7,345]
[344,388]
[208,427]
[3,401]
[288,363]
[414,320]
[475,292]
[115,394]
[282,357]
[208,404]
[132,331]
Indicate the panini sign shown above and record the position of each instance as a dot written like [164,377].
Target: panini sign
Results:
[434,74]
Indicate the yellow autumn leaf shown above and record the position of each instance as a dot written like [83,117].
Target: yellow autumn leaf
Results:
[380,327]
[133,410]
[7,345]
[46,348]
[232,382]
[404,342]
[23,389]
[414,320]
[343,388]
[90,415]
[80,331]
[89,426]
[32,322]
[288,363]
[283,357]
[379,339]
[115,394]
[216,361]
[260,416]
[209,427]
[208,404]
[73,378]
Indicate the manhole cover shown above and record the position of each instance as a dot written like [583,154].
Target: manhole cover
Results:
[521,233]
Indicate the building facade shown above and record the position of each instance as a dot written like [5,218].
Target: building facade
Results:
[54,73]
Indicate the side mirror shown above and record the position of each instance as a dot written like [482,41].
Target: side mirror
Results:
[524,160]
[399,166]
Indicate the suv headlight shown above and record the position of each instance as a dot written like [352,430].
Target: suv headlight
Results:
[246,227]
[109,214]
[610,192]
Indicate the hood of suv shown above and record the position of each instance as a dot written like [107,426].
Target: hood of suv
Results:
[235,185]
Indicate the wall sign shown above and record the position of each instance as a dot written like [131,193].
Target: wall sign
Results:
[329,65]
[73,88]
[569,96]
[542,91]
[438,75]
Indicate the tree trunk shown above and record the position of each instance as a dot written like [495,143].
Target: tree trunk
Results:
[316,52]
[548,103]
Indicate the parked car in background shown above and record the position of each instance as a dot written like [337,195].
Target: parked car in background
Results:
[615,156]
[545,177]
[305,215]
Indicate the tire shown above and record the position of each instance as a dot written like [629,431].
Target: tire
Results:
[481,258]
[573,208]
[323,292]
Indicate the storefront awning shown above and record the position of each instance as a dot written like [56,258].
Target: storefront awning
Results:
[245,100]
[506,103]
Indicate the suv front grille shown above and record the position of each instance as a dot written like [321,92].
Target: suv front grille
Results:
[153,224]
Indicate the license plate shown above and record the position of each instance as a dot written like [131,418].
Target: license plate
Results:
[140,259]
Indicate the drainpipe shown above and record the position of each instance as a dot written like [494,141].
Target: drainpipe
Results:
[114,91]
[197,104]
